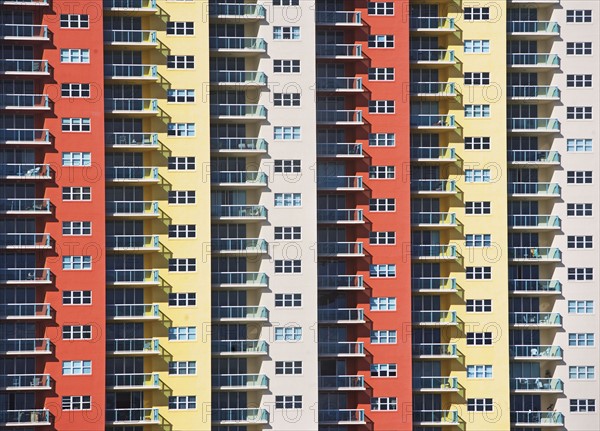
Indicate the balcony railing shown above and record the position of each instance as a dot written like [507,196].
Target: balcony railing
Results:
[238,144]
[534,60]
[436,251]
[127,71]
[25,417]
[14,66]
[25,346]
[342,416]
[435,383]
[134,140]
[240,347]
[339,149]
[339,84]
[340,282]
[534,319]
[534,221]
[239,245]
[139,242]
[227,43]
[432,121]
[25,170]
[132,311]
[240,381]
[132,208]
[25,136]
[534,124]
[131,5]
[433,89]
[25,240]
[238,77]
[340,248]
[441,417]
[339,116]
[341,348]
[131,173]
[432,23]
[133,416]
[437,317]
[133,346]
[340,182]
[534,92]
[240,415]
[553,287]
[533,156]
[340,216]
[535,189]
[536,384]
[25,381]
[25,311]
[241,279]
[133,381]
[24,101]
[534,253]
[432,56]
[539,418]
[130,37]
[239,312]
[356,315]
[25,275]
[338,17]
[238,111]
[239,211]
[536,352]
[24,2]
[437,154]
[237,10]
[543,27]
[132,276]
[241,178]
[342,382]
[435,349]
[339,51]
[132,105]
[434,284]
[433,219]
[15,206]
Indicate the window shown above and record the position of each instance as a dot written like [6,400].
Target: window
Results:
[74,21]
[479,305]
[478,208]
[288,233]
[383,304]
[75,91]
[182,231]
[582,241]
[182,368]
[180,61]
[77,332]
[477,78]
[77,402]
[479,371]
[381,74]
[180,28]
[72,55]
[478,240]
[477,143]
[181,163]
[477,46]
[479,338]
[182,265]
[384,370]
[286,33]
[77,297]
[288,199]
[286,2]
[382,139]
[579,210]
[286,133]
[579,48]
[382,172]
[76,125]
[288,266]
[579,81]
[181,96]
[581,339]
[76,263]
[480,404]
[76,368]
[288,367]
[286,66]
[582,405]
[288,300]
[479,272]
[382,271]
[477,111]
[582,372]
[73,228]
[579,16]
[380,8]
[182,402]
[579,177]
[286,99]
[182,333]
[384,337]
[580,274]
[579,112]
[77,159]
[579,145]
[382,205]
[381,41]
[477,175]
[580,307]
[382,238]
[384,404]
[286,166]
[181,129]
[288,333]
[288,401]
[477,14]
[186,299]
[382,106]
[182,197]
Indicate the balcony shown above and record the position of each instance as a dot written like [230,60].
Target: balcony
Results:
[340,150]
[131,174]
[533,61]
[340,183]
[432,122]
[132,209]
[131,141]
[342,383]
[24,102]
[437,252]
[26,311]
[533,29]
[534,190]
[339,51]
[434,318]
[132,416]
[16,171]
[245,213]
[533,93]
[537,419]
[25,276]
[534,319]
[238,112]
[536,353]
[340,249]
[132,312]
[533,125]
[24,67]
[238,45]
[25,136]
[25,418]
[132,277]
[536,385]
[433,220]
[242,246]
[534,254]
[240,280]
[25,382]
[339,117]
[131,6]
[432,25]
[240,416]
[535,287]
[225,313]
[341,349]
[132,106]
[238,78]
[435,417]
[432,57]
[339,85]
[241,348]
[240,382]
[133,346]
[133,382]
[437,90]
[341,315]
[434,285]
[237,11]
[27,241]
[25,346]
[340,216]
[433,154]
[342,417]
[534,222]
[130,38]
[340,282]
[240,146]
[131,72]
[435,384]
[243,179]
[25,206]
[139,243]
[533,157]
[435,351]
[338,18]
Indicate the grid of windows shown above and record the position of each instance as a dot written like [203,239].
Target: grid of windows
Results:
[77,332]
[579,112]
[381,73]
[477,111]
[380,8]
[74,21]
[287,166]
[288,233]
[288,367]
[76,263]
[477,46]
[180,28]
[382,304]
[579,48]
[72,228]
[479,371]
[76,159]
[478,240]
[288,266]
[74,90]
[579,145]
[182,299]
[382,238]
[580,274]
[477,175]
[580,241]
[382,205]
[180,62]
[77,297]
[181,129]
[581,339]
[384,404]
[182,402]
[382,271]
[582,372]
[288,199]
[76,125]
[382,172]
[382,139]
[76,402]
[286,33]
[382,106]
[579,15]
[181,96]
[381,41]
[479,272]
[479,338]
[477,143]
[288,300]
[182,197]
[286,99]
[286,2]
[182,333]
[288,333]
[286,133]
[182,368]
[74,55]
[579,81]
[181,163]
[288,401]
[182,265]
[579,210]
[478,208]
[384,337]
[286,66]
[182,231]
[477,78]
[384,370]
[476,14]
[480,404]
[582,405]
[76,368]
[479,305]
[580,307]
